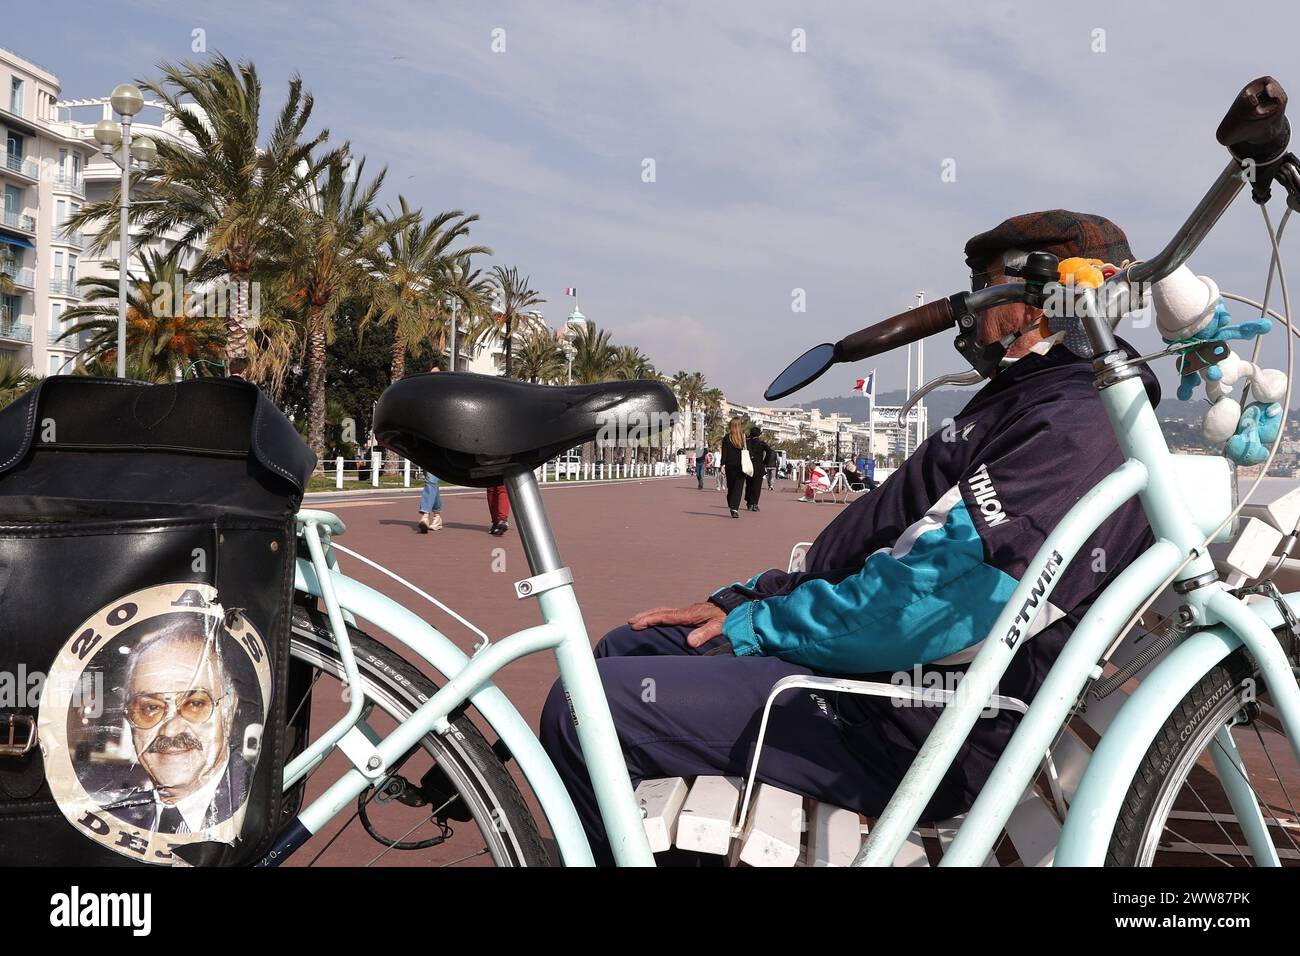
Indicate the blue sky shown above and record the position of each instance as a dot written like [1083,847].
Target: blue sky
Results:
[775,170]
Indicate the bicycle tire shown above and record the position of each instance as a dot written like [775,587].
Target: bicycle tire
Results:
[1172,756]
[398,687]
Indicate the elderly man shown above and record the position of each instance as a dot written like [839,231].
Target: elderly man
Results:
[905,582]
[180,704]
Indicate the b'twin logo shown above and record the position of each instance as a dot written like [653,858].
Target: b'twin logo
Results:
[986,496]
[1029,610]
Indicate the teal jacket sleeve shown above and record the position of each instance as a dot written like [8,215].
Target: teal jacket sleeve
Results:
[927,597]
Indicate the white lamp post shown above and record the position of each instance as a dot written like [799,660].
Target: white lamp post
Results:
[127,101]
[456,272]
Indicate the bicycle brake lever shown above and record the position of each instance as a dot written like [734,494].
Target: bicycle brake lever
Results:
[952,378]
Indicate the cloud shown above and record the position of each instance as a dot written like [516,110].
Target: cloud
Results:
[775,170]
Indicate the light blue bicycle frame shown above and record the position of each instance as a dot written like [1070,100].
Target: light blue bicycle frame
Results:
[1224,623]
[469,680]
[1221,624]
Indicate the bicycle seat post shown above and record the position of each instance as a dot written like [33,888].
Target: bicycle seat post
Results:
[534,526]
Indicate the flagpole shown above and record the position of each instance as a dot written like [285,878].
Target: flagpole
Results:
[920,376]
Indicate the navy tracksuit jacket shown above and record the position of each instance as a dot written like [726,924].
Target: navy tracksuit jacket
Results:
[906,581]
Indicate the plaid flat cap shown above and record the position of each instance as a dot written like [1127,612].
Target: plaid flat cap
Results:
[1058,231]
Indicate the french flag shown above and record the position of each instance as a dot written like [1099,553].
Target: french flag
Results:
[571,290]
[867,386]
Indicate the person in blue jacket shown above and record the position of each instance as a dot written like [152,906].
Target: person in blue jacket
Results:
[903,584]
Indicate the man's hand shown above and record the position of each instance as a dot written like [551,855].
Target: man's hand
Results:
[708,616]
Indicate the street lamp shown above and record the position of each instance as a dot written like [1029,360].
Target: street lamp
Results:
[127,101]
[456,273]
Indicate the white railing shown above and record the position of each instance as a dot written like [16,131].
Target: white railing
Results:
[15,331]
[26,278]
[18,221]
[376,472]
[22,165]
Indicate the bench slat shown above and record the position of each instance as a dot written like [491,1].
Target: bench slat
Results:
[704,825]
[774,830]
[834,835]
[661,803]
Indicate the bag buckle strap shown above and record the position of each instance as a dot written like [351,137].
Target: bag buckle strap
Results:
[10,743]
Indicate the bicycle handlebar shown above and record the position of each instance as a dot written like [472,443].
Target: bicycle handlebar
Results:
[910,326]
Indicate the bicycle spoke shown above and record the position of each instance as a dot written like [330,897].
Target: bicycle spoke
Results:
[1214,817]
[346,823]
[464,858]
[1206,850]
[1255,793]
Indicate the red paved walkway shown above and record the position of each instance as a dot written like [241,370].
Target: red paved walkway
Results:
[631,545]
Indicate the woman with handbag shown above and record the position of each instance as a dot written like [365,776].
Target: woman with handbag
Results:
[735,456]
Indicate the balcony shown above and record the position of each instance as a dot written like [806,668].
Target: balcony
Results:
[23,278]
[14,331]
[15,220]
[23,166]
[64,287]
[73,343]
[62,235]
[70,183]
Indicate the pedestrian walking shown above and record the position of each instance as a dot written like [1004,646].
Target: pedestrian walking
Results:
[498,509]
[758,452]
[734,453]
[430,499]
[699,467]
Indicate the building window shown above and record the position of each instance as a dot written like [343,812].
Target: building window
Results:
[15,145]
[16,96]
[72,270]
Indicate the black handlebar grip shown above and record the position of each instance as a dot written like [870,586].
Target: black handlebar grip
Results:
[1256,126]
[909,326]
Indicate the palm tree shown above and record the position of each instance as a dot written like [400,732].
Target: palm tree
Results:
[15,378]
[168,330]
[629,362]
[413,269]
[233,197]
[592,353]
[329,259]
[538,356]
[512,297]
[689,388]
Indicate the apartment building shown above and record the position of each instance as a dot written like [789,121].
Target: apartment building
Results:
[44,183]
[52,167]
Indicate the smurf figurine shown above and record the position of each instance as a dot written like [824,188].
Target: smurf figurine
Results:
[1189,309]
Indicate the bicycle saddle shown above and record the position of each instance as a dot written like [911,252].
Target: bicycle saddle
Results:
[473,429]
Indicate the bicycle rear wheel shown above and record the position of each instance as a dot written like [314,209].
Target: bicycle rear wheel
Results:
[1177,811]
[449,780]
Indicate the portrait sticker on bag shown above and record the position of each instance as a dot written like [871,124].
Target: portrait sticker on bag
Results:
[162,753]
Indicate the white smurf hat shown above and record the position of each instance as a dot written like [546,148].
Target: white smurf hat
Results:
[1184,303]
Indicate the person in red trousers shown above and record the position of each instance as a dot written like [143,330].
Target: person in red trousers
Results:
[498,509]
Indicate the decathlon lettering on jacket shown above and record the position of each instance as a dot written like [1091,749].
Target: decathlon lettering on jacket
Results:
[917,571]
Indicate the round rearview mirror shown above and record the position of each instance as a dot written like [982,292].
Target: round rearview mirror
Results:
[803,370]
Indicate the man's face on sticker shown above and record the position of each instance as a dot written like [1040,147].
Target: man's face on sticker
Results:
[178,706]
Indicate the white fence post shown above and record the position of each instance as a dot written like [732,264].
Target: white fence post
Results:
[376,462]
[406,472]
[338,472]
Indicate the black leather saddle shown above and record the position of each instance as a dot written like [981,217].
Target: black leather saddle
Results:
[473,429]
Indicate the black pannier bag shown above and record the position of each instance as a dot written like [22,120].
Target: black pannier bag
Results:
[146,586]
